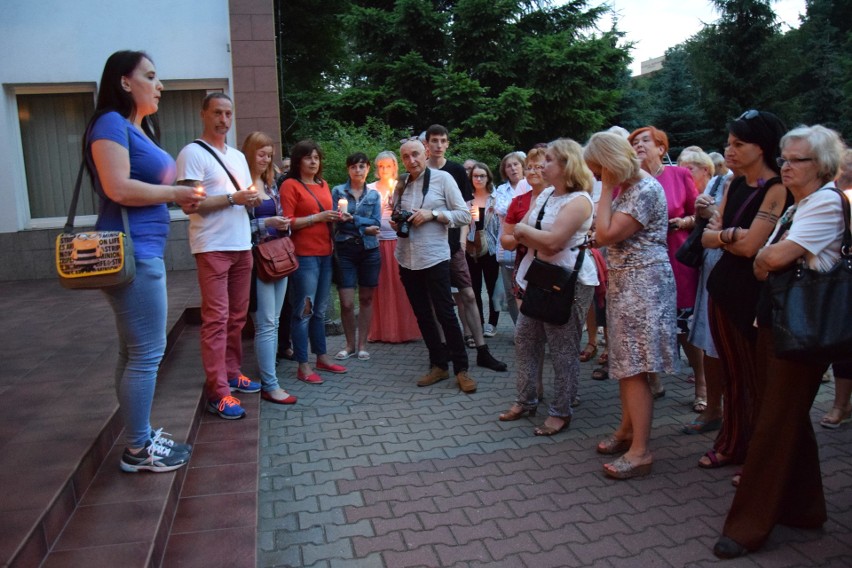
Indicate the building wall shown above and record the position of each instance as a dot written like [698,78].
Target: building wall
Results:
[255,70]
[56,43]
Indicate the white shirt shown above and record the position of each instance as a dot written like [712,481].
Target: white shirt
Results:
[225,229]
[817,227]
[427,244]
[567,257]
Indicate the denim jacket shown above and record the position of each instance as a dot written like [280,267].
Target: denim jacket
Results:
[365,213]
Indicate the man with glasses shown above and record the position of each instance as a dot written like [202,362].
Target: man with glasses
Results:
[437,141]
[434,203]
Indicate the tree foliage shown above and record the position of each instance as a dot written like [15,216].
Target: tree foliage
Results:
[521,70]
[744,61]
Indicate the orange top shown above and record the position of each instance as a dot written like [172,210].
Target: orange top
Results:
[296,201]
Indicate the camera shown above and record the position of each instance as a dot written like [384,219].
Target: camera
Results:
[400,217]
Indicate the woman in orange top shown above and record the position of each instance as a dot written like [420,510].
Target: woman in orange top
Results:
[306,200]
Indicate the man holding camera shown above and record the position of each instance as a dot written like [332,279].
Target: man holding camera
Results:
[433,202]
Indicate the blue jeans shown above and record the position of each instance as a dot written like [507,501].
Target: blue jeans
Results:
[270,298]
[310,284]
[140,318]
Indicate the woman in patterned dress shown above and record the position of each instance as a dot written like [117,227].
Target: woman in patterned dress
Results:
[640,300]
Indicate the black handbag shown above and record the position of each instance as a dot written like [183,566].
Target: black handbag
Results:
[549,295]
[810,309]
[691,252]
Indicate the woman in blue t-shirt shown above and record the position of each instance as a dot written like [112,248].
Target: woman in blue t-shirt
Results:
[130,170]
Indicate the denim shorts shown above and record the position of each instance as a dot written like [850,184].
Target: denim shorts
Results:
[357,265]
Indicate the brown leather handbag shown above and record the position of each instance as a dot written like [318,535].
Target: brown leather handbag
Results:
[275,259]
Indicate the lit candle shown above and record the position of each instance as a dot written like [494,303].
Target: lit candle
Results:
[474,213]
[342,205]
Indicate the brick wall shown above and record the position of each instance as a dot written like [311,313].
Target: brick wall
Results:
[253,56]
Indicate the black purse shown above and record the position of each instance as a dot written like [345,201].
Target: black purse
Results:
[549,295]
[691,252]
[810,309]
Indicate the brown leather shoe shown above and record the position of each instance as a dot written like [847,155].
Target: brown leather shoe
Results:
[466,383]
[434,375]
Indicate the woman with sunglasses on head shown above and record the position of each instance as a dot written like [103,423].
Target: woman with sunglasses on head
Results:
[781,480]
[481,245]
[745,218]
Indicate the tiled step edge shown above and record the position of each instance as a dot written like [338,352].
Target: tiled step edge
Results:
[36,546]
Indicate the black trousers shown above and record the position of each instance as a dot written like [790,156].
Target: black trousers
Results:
[430,288]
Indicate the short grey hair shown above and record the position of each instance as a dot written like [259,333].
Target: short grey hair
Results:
[826,146]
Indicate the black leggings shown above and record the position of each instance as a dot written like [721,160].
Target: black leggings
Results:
[485,266]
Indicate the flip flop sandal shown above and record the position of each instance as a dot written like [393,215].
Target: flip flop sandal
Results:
[363,356]
[604,358]
[699,405]
[715,462]
[344,354]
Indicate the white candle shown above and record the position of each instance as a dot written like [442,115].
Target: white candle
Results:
[342,204]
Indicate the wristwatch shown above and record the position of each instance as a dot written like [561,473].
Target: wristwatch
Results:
[434,215]
[231,201]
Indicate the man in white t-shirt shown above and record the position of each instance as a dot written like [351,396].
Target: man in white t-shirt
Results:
[220,240]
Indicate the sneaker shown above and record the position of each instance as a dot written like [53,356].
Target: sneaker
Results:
[489,331]
[159,437]
[466,383]
[434,375]
[153,457]
[484,358]
[228,408]
[243,384]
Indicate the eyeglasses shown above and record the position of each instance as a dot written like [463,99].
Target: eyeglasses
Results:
[479,176]
[792,161]
[749,114]
[534,168]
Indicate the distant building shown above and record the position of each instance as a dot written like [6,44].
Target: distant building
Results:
[54,52]
[652,65]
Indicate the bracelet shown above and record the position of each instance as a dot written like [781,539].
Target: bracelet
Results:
[310,220]
[719,236]
[231,201]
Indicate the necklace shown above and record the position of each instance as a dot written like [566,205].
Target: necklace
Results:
[659,171]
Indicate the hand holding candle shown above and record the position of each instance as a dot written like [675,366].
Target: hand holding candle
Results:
[474,213]
[342,205]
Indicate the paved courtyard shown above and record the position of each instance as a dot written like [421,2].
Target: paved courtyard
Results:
[368,470]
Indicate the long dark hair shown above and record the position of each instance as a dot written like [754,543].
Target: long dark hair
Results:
[297,152]
[111,97]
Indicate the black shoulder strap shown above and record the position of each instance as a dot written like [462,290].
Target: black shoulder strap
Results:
[221,163]
[401,189]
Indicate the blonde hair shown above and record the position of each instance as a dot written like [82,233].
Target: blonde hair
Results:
[386,155]
[699,158]
[614,153]
[577,175]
